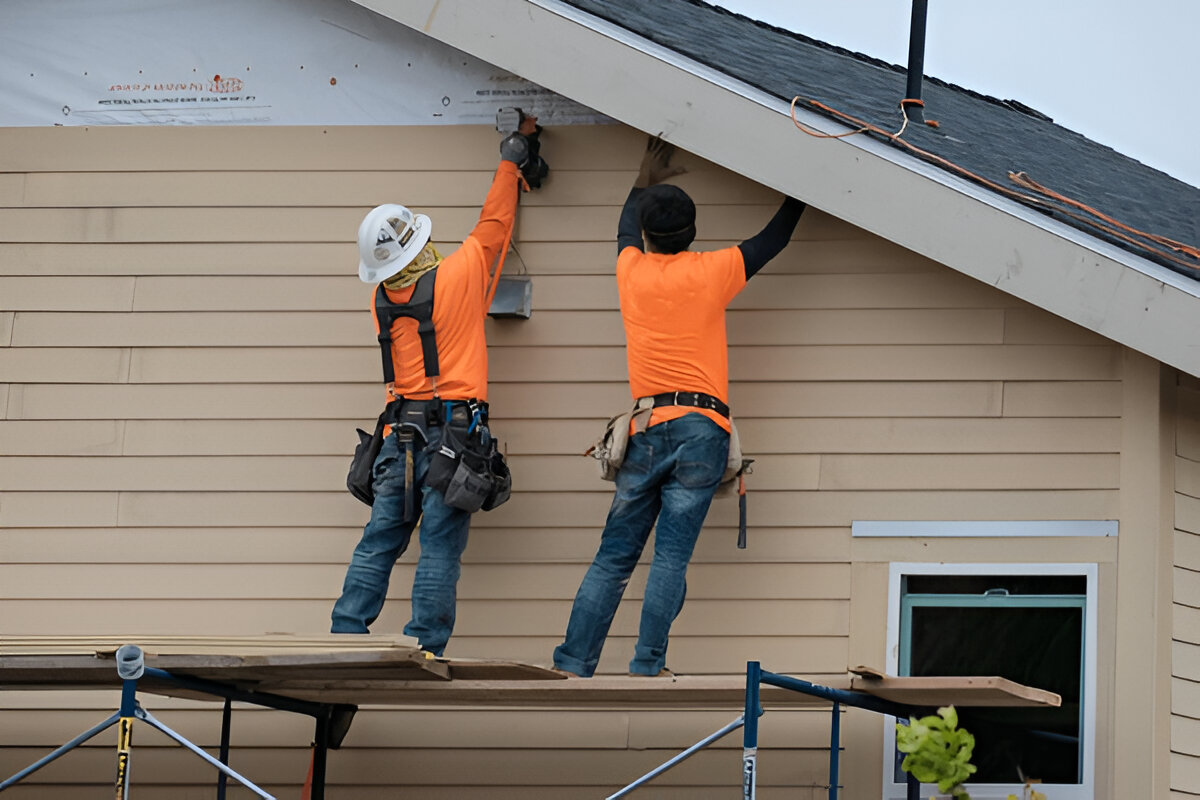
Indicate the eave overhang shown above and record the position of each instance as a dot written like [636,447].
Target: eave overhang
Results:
[874,186]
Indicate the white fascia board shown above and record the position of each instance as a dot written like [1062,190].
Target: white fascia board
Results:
[863,181]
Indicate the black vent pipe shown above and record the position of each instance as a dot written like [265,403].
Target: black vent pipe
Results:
[916,58]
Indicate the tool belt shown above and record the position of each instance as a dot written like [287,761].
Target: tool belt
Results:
[468,467]
[692,399]
[609,448]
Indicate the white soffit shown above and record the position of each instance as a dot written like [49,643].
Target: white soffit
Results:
[871,185]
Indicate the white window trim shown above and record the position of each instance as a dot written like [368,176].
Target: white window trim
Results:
[991,791]
[929,529]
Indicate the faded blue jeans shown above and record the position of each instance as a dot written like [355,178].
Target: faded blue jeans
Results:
[443,537]
[670,473]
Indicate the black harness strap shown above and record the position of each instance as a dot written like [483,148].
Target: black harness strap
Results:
[418,307]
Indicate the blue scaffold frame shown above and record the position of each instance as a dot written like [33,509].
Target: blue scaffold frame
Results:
[755,677]
[332,723]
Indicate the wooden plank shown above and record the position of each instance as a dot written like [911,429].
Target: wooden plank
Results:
[1187,513]
[958,691]
[1187,550]
[342,291]
[1185,660]
[1031,325]
[67,294]
[1185,735]
[307,545]
[225,223]
[798,618]
[542,509]
[559,328]
[1185,696]
[1185,624]
[56,259]
[61,437]
[6,328]
[64,365]
[216,473]
[851,404]
[979,471]
[1187,477]
[568,438]
[341,147]
[82,509]
[860,255]
[1185,586]
[173,402]
[541,364]
[478,582]
[1062,399]
[551,510]
[421,189]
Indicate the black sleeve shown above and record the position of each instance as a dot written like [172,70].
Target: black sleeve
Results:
[768,243]
[629,233]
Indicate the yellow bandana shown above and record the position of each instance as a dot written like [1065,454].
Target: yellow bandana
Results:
[426,260]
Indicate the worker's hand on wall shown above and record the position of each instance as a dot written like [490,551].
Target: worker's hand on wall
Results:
[656,163]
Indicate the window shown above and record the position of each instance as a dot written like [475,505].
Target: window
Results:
[1031,623]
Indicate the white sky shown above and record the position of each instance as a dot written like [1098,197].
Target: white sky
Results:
[1120,72]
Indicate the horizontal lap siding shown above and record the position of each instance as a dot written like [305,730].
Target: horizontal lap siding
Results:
[186,351]
[1185,650]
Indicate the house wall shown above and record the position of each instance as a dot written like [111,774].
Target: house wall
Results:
[187,352]
[1185,645]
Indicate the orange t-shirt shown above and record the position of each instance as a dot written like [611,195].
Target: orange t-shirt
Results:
[673,307]
[459,295]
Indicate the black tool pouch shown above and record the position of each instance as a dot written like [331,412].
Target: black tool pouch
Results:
[501,480]
[468,469]
[360,478]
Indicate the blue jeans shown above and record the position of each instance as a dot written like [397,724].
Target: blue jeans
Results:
[670,473]
[443,538]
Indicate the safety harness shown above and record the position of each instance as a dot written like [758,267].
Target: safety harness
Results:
[418,307]
[409,420]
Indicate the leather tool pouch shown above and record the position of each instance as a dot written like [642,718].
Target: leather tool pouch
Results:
[735,464]
[609,448]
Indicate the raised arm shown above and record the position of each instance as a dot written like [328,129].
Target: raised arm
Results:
[655,168]
[500,207]
[770,241]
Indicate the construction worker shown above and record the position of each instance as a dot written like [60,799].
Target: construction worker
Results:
[673,306]
[432,309]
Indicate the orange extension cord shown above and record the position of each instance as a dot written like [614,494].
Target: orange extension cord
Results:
[1114,228]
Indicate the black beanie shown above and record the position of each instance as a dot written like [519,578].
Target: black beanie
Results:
[667,216]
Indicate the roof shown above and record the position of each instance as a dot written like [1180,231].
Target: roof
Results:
[720,84]
[984,135]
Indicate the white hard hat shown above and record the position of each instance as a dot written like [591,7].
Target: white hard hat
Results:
[389,237]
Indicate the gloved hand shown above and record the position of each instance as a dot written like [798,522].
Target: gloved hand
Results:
[515,148]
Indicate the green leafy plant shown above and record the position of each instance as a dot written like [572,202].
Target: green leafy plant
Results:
[937,751]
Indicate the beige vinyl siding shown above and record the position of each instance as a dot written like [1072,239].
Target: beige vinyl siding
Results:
[188,351]
[1185,649]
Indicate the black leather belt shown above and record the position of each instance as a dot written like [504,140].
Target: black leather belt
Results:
[692,399]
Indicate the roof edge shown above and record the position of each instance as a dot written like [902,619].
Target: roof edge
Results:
[974,231]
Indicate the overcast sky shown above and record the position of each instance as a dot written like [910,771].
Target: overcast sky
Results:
[1125,74]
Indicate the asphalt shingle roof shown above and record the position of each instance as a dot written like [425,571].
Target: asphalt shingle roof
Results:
[987,136]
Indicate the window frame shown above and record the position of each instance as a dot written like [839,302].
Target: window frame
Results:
[1085,790]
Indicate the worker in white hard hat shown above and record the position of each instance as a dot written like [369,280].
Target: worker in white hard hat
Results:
[438,461]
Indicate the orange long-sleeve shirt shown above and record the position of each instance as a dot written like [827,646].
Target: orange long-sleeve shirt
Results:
[459,298]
